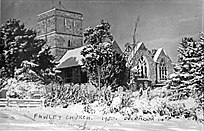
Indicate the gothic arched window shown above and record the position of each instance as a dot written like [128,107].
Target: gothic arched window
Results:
[162,70]
[143,67]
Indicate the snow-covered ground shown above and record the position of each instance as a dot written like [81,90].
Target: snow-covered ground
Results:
[72,119]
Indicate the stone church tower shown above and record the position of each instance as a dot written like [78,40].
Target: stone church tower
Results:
[62,29]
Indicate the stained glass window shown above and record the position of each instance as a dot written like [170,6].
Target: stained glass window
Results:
[143,67]
[162,70]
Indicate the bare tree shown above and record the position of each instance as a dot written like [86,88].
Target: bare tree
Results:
[129,47]
[135,30]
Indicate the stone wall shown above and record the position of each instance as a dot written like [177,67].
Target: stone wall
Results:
[46,26]
[59,12]
[62,29]
[69,26]
[59,43]
[61,21]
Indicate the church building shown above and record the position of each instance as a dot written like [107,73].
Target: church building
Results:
[151,67]
[62,29]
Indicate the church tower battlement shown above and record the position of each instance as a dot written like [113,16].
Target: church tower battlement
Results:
[62,29]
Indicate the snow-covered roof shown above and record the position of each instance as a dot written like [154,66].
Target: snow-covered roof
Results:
[71,58]
[159,51]
[138,46]
[117,47]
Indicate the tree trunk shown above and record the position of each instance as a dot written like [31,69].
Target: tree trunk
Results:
[99,77]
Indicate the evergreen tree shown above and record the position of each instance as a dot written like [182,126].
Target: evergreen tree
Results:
[19,44]
[188,79]
[105,66]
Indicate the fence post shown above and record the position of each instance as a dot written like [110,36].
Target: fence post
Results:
[8,102]
[43,102]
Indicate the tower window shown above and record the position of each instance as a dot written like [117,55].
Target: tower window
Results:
[65,22]
[69,43]
[74,23]
[162,70]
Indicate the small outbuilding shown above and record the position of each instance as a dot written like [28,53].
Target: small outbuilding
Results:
[71,67]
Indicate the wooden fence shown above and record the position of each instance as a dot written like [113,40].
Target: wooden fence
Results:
[11,102]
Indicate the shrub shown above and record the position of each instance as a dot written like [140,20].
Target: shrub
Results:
[64,95]
[23,89]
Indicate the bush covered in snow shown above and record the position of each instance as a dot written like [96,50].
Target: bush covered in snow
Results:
[26,83]
[64,95]
[130,105]
[156,107]
[23,89]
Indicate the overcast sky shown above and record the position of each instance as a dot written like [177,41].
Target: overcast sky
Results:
[163,23]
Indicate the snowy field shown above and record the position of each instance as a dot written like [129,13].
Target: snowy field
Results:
[72,119]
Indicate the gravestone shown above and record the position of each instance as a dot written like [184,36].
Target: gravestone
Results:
[3,93]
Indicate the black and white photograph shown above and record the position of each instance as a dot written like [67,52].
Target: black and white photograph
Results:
[102,65]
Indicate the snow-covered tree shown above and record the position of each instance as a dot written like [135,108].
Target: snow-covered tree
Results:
[105,66]
[19,44]
[188,79]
